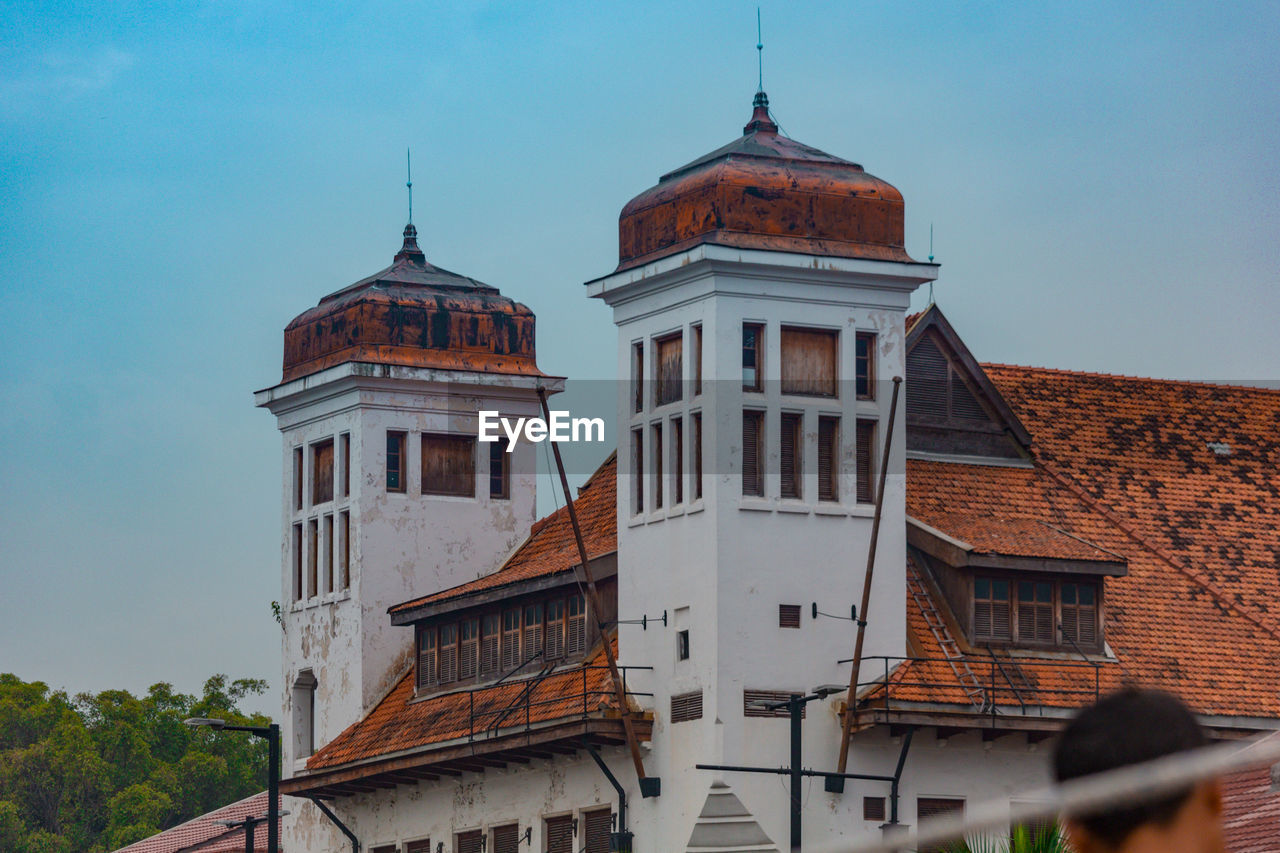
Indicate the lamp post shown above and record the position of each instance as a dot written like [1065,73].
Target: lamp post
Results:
[271,734]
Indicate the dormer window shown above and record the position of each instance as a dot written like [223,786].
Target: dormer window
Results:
[1035,612]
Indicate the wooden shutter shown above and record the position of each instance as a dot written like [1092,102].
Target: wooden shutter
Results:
[576,640]
[470,842]
[422,845]
[991,609]
[555,629]
[677,459]
[928,807]
[637,376]
[344,563]
[381,848]
[828,459]
[658,473]
[448,653]
[791,450]
[1035,612]
[669,369]
[865,456]
[346,464]
[448,465]
[297,562]
[873,808]
[788,615]
[297,478]
[532,630]
[809,361]
[752,465]
[560,834]
[697,455]
[598,824]
[865,366]
[686,706]
[322,472]
[490,640]
[754,700]
[1080,613]
[506,839]
[511,640]
[637,471]
[427,657]
[328,554]
[468,640]
[927,374]
[964,406]
[313,556]
[697,360]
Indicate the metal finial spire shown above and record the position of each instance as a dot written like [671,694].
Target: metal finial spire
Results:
[930,242]
[408,164]
[759,53]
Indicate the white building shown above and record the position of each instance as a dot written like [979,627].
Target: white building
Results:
[449,693]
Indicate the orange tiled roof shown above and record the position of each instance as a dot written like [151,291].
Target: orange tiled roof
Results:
[1250,811]
[1016,536]
[398,723]
[551,548]
[205,834]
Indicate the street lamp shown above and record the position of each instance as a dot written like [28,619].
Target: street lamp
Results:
[271,734]
[248,824]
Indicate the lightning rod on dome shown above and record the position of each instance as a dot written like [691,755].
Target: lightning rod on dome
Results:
[759,54]
[408,168]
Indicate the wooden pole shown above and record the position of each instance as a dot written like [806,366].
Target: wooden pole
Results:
[594,601]
[851,699]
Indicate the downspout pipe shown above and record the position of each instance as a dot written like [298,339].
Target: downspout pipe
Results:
[897,775]
[337,821]
[623,834]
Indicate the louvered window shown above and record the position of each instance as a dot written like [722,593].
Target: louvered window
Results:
[937,391]
[448,653]
[395,461]
[686,706]
[297,562]
[791,453]
[597,824]
[576,639]
[327,554]
[752,453]
[344,550]
[677,459]
[788,615]
[422,845]
[297,478]
[669,367]
[865,366]
[468,641]
[470,842]
[490,641]
[532,630]
[873,808]
[448,465]
[511,639]
[637,471]
[1080,613]
[345,439]
[865,459]
[991,609]
[828,459]
[313,557]
[506,839]
[383,848]
[560,834]
[322,472]
[428,657]
[752,356]
[697,360]
[555,629]
[637,376]
[1035,612]
[809,361]
[932,807]
[697,455]
[755,703]
[657,466]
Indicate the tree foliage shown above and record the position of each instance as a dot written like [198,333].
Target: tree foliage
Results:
[95,772]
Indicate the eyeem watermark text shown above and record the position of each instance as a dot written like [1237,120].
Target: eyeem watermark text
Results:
[561,427]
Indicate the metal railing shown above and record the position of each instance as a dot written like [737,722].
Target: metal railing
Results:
[1045,683]
[548,695]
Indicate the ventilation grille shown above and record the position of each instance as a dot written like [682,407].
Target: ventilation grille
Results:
[686,706]
[873,808]
[753,702]
[788,615]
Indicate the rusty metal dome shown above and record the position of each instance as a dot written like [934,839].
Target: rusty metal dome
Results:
[413,314]
[765,191]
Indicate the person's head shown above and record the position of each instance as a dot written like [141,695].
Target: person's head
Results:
[1130,727]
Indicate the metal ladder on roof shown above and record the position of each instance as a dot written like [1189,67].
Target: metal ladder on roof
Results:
[969,682]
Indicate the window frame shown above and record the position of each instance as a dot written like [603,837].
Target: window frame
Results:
[446,441]
[757,350]
[396,464]
[789,335]
[869,374]
[323,457]
[499,455]
[791,471]
[757,417]
[1015,604]
[668,389]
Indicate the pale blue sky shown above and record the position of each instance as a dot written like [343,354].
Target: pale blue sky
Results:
[178,180]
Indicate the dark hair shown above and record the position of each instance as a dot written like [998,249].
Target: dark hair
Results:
[1128,727]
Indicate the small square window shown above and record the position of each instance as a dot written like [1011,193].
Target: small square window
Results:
[788,615]
[873,808]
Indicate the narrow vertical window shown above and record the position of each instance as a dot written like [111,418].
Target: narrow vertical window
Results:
[697,359]
[576,629]
[865,366]
[499,469]
[828,459]
[297,478]
[1080,613]
[752,453]
[468,642]
[427,657]
[637,376]
[555,629]
[677,459]
[345,441]
[1035,612]
[344,550]
[322,472]
[511,639]
[329,548]
[697,456]
[448,653]
[297,562]
[809,361]
[657,466]
[448,465]
[791,453]
[304,713]
[682,644]
[865,460]
[532,630]
[395,461]
[637,471]
[752,356]
[490,640]
[991,609]
[313,554]
[669,369]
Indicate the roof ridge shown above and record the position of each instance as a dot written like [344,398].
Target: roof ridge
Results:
[1190,572]
[1196,383]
